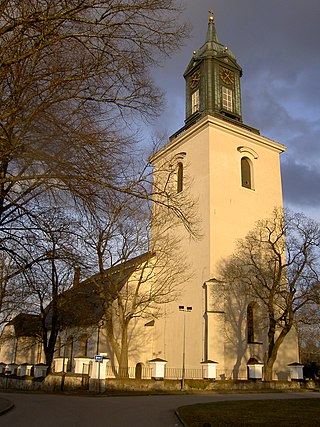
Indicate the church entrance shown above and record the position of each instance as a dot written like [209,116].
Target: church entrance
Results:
[138,371]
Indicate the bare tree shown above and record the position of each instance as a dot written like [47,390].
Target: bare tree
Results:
[69,73]
[52,243]
[74,76]
[12,291]
[137,275]
[277,264]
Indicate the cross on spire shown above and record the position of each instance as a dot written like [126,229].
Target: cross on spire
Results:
[211,17]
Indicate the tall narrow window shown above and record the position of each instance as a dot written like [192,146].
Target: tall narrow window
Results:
[246,173]
[227,102]
[180,177]
[69,352]
[195,101]
[83,347]
[250,324]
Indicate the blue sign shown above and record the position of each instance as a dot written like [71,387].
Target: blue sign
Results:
[98,358]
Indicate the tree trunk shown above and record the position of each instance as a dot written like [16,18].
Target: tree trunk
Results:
[123,361]
[50,347]
[272,353]
[268,368]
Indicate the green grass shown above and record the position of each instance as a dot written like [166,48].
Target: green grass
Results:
[279,413]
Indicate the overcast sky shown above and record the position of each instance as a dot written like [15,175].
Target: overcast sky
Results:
[277,44]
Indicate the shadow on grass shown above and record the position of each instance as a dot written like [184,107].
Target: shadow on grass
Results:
[279,413]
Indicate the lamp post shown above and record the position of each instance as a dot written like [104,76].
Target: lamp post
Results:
[185,310]
[100,324]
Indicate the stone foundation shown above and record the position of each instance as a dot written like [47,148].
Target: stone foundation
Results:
[58,382]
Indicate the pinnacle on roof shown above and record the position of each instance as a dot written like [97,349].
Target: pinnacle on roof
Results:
[212,44]
[211,33]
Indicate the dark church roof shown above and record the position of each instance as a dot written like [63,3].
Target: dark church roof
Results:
[26,325]
[81,305]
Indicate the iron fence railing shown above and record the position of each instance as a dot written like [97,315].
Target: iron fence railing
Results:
[142,372]
[145,372]
[176,373]
[226,374]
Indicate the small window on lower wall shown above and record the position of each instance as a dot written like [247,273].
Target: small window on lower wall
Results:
[246,173]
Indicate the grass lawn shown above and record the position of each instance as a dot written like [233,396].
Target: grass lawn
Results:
[280,413]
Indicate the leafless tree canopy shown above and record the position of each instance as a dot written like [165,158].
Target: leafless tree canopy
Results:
[73,74]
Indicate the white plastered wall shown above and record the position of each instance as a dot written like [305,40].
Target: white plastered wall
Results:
[227,211]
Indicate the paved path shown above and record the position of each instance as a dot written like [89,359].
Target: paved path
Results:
[38,410]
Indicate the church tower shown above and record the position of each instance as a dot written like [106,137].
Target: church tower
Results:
[233,175]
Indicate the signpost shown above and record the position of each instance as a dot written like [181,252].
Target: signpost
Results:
[98,358]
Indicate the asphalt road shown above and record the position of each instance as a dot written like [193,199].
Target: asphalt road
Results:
[38,410]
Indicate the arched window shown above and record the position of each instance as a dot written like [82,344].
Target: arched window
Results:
[179,177]
[246,173]
[250,323]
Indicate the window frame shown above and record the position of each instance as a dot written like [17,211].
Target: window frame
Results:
[195,101]
[179,177]
[227,98]
[246,170]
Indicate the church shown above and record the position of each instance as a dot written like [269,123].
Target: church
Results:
[234,175]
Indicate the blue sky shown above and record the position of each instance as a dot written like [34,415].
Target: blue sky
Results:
[277,45]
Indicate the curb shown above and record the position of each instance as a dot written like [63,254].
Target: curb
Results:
[180,418]
[5,406]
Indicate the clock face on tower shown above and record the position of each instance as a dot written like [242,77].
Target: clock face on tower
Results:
[226,76]
[195,79]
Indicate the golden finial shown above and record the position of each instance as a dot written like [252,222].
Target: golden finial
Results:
[211,17]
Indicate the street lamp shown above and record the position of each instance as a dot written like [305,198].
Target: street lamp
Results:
[97,359]
[185,310]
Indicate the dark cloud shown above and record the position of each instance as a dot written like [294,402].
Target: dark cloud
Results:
[301,184]
[276,43]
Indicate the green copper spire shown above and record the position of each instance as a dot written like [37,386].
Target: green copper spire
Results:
[212,44]
[211,33]
[213,81]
